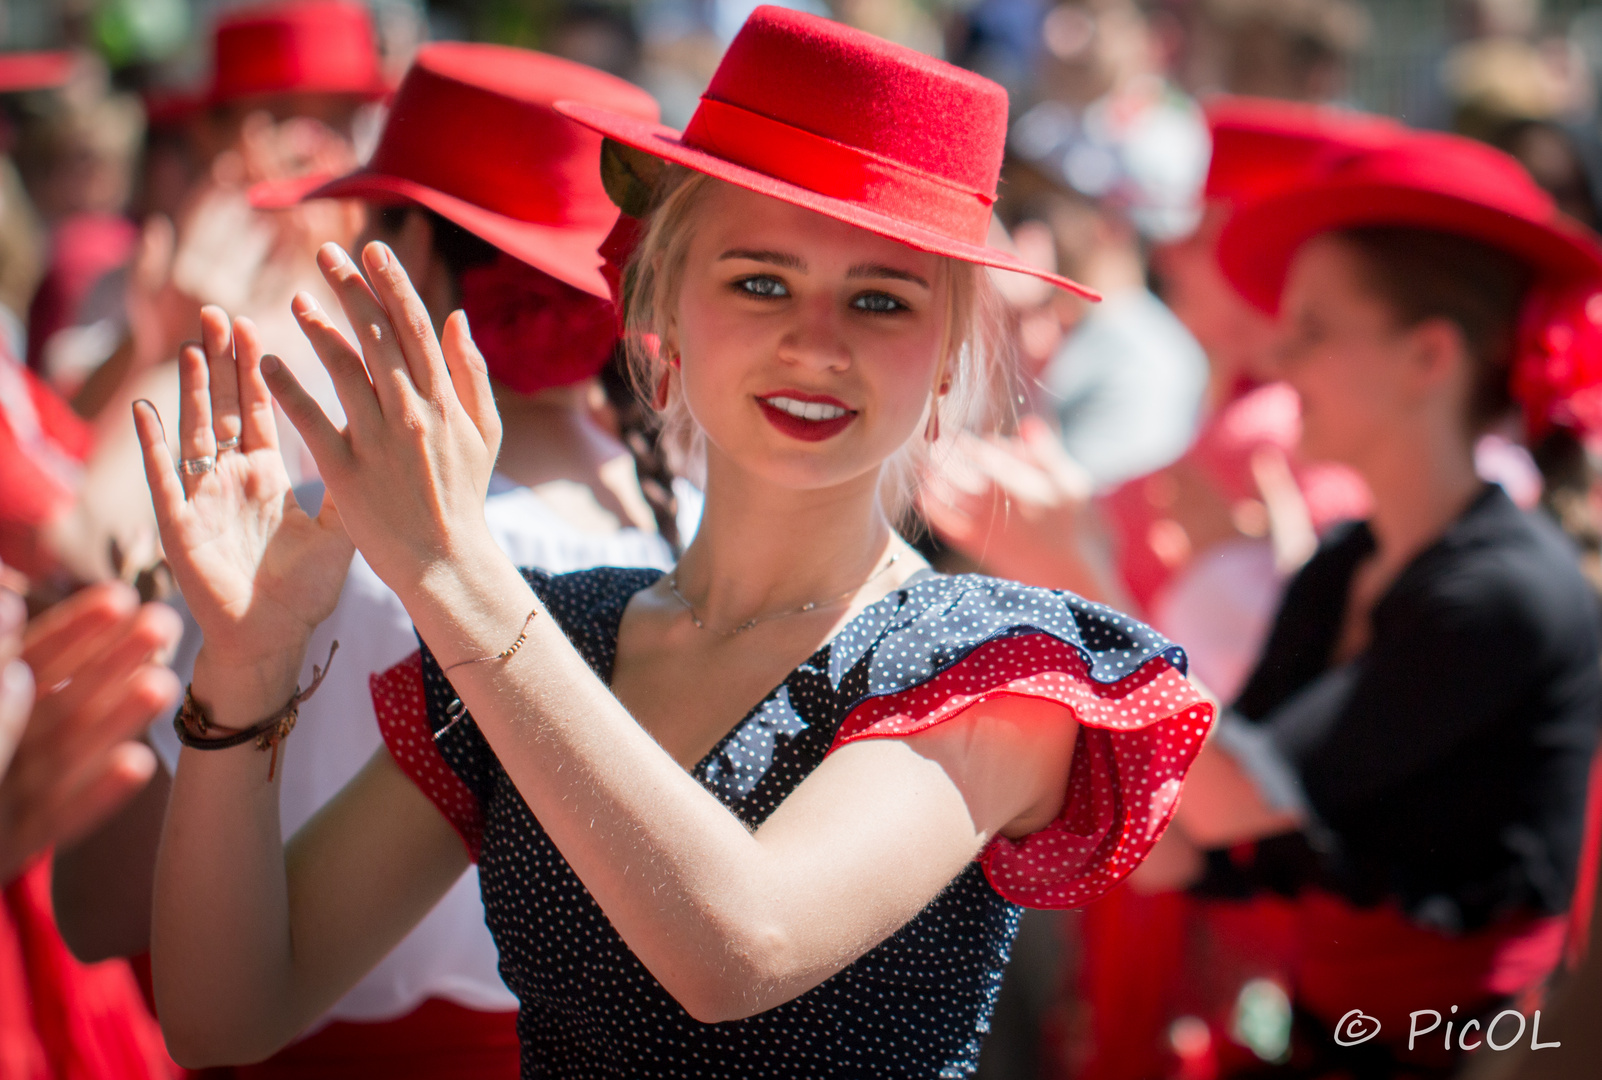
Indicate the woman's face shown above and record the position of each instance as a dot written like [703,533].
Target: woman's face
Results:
[809,348]
[1344,354]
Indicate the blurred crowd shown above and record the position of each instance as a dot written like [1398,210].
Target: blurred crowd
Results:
[152,158]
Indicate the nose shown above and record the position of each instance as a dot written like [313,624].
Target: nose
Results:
[816,338]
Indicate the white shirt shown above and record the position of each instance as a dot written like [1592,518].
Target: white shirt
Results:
[450,953]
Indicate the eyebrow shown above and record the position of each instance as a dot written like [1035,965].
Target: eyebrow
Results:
[777,258]
[792,262]
[880,270]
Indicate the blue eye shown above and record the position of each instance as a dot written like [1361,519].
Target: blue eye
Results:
[763,286]
[878,303]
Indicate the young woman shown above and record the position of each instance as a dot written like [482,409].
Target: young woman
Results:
[454,212]
[767,814]
[1411,752]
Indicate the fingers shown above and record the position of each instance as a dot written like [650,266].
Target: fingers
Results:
[470,377]
[104,786]
[258,428]
[77,629]
[343,363]
[195,438]
[1070,477]
[375,334]
[217,339]
[414,327]
[166,490]
[16,702]
[326,443]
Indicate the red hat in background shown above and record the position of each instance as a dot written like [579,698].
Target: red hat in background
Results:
[299,46]
[21,71]
[1425,181]
[837,121]
[472,136]
[1260,144]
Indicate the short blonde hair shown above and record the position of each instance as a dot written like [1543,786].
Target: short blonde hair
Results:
[977,354]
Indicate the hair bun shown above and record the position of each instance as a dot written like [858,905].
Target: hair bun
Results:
[1557,366]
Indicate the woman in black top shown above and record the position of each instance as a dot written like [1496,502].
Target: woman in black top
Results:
[1408,762]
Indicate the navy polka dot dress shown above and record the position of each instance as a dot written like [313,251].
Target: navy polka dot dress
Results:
[919,1003]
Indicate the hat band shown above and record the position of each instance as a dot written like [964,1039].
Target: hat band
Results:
[839,171]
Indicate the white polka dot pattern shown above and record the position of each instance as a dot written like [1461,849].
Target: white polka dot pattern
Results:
[919,1003]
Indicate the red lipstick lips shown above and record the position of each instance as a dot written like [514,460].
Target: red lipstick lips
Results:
[798,427]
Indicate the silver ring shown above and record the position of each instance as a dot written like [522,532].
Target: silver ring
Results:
[228,444]
[197,466]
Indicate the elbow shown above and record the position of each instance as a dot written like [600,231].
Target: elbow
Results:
[208,1045]
[755,973]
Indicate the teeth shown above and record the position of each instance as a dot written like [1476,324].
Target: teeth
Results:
[806,410]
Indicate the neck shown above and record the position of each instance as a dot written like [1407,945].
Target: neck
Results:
[1421,482]
[761,548]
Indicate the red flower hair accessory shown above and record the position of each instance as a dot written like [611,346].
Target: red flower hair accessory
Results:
[535,332]
[1557,366]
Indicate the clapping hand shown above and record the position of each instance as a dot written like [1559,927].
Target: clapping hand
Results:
[257,572]
[1018,507]
[411,469]
[77,688]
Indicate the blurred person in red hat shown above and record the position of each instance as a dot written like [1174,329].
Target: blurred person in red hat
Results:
[1407,765]
[288,84]
[511,239]
[1201,547]
[772,811]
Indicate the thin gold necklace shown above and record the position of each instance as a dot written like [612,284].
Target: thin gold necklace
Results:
[757,620]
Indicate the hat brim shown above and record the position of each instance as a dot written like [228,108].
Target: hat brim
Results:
[566,252]
[1261,239]
[25,71]
[664,142]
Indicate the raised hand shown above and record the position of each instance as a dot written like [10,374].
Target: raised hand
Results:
[1019,508]
[69,754]
[257,572]
[411,469]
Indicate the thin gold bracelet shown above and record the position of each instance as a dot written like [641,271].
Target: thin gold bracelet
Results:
[504,654]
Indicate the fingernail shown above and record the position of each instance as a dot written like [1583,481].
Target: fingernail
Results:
[303,303]
[16,678]
[270,364]
[381,254]
[330,255]
[466,327]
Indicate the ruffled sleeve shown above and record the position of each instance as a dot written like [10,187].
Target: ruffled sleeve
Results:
[400,702]
[1141,725]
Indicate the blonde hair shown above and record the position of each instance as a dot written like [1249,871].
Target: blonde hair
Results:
[976,348]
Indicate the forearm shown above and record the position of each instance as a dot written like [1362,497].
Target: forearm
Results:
[731,923]
[221,948]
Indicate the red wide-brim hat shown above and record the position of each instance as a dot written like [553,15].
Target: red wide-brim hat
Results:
[1426,181]
[1263,144]
[20,71]
[472,135]
[296,47]
[837,121]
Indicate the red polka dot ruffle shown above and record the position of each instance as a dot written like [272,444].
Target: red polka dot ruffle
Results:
[1137,738]
[398,700]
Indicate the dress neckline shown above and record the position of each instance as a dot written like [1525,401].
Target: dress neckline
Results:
[610,616]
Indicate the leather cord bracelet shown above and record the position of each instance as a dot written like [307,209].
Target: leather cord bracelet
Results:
[195,728]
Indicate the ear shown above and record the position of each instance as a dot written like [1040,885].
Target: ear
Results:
[1439,355]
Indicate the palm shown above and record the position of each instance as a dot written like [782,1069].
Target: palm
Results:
[257,572]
